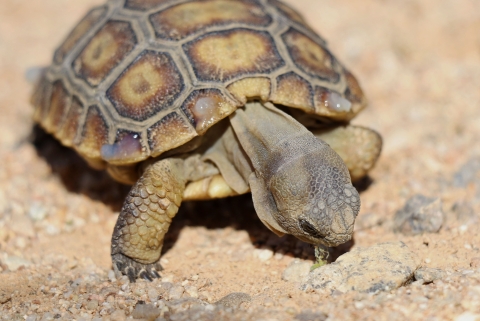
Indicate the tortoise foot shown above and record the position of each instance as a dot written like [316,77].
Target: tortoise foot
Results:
[124,265]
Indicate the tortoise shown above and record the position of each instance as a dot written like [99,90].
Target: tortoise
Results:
[204,99]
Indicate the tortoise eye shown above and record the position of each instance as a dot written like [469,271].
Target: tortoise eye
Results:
[308,228]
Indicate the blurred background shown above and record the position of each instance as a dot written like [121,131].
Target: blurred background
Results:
[419,65]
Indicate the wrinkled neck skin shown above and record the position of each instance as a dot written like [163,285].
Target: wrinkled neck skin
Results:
[299,185]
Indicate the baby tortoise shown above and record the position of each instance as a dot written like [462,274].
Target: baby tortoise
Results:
[195,100]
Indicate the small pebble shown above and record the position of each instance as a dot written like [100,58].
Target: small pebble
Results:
[210,307]
[111,276]
[311,316]
[47,317]
[463,212]
[92,305]
[428,275]
[152,294]
[145,311]
[234,300]
[468,316]
[467,173]
[184,304]
[15,262]
[191,291]
[194,277]
[176,292]
[296,271]
[118,315]
[419,215]
[475,262]
[264,254]
[278,256]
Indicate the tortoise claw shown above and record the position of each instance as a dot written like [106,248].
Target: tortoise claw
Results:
[134,270]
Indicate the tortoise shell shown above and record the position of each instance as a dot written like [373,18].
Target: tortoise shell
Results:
[136,78]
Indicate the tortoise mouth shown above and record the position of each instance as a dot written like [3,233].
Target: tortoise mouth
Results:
[310,234]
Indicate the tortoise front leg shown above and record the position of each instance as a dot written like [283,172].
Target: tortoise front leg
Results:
[145,218]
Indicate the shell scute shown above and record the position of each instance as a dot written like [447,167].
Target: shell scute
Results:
[41,98]
[332,104]
[171,131]
[293,90]
[127,148]
[69,129]
[354,92]
[92,18]
[205,107]
[151,83]
[104,51]
[310,57]
[94,134]
[251,88]
[223,55]
[182,20]
[59,104]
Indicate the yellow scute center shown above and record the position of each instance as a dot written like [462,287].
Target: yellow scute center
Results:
[140,84]
[237,51]
[311,52]
[100,51]
[188,16]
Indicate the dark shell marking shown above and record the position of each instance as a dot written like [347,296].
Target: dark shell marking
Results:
[137,78]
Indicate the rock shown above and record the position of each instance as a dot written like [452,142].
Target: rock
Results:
[428,275]
[234,300]
[381,267]
[296,271]
[467,173]
[145,311]
[419,215]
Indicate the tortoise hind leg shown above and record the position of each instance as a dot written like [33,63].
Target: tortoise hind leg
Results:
[145,217]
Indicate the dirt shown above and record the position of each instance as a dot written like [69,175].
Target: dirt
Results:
[419,64]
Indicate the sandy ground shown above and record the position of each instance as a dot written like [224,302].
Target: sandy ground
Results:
[419,64]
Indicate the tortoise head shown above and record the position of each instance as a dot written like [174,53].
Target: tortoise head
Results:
[314,198]
[300,186]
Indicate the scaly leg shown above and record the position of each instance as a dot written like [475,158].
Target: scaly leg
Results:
[145,218]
